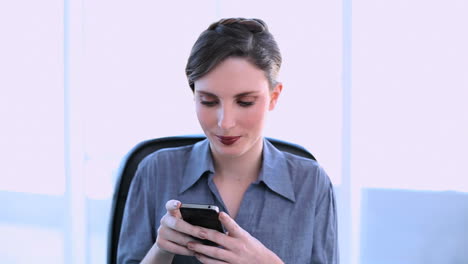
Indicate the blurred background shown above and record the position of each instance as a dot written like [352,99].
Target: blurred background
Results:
[376,90]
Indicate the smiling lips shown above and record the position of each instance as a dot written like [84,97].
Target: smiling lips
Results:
[227,140]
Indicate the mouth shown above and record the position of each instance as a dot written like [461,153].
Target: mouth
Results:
[228,140]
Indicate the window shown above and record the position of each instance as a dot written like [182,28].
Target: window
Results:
[376,91]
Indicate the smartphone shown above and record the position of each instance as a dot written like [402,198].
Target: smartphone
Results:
[203,215]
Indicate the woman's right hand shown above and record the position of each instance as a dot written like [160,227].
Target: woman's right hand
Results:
[172,233]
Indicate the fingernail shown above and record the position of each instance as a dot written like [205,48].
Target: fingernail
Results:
[223,215]
[190,246]
[202,234]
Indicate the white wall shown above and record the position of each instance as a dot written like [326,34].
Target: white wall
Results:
[376,90]
[410,88]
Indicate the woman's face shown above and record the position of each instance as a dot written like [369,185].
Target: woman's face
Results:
[232,102]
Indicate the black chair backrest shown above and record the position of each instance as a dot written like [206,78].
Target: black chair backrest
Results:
[129,166]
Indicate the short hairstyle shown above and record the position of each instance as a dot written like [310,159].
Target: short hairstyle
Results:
[234,37]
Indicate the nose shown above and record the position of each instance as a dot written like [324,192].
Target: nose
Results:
[226,118]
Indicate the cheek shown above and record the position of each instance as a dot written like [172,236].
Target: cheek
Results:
[255,116]
[205,117]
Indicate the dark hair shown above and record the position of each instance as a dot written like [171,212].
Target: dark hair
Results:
[237,37]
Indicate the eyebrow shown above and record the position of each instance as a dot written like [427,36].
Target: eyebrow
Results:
[237,95]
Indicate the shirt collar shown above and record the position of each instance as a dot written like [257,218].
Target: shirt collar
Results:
[199,162]
[274,172]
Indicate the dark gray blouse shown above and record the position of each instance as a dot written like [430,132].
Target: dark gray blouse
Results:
[290,208]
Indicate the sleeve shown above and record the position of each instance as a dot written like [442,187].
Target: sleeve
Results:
[325,249]
[137,232]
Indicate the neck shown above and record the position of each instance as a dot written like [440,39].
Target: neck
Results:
[242,168]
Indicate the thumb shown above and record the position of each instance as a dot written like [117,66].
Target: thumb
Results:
[232,228]
[172,207]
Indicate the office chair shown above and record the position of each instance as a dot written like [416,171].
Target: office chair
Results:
[129,166]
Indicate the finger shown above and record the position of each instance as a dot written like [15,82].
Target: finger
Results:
[173,247]
[172,207]
[180,225]
[233,229]
[210,254]
[175,236]
[217,237]
[207,260]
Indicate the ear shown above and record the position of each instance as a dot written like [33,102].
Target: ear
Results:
[274,95]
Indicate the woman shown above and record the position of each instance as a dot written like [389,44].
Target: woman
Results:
[276,207]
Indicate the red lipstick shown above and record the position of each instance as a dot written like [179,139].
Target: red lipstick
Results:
[227,140]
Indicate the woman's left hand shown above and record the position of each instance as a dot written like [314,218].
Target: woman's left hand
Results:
[237,246]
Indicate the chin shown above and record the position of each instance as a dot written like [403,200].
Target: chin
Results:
[234,150]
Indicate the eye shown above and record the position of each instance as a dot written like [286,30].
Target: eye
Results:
[245,103]
[209,103]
